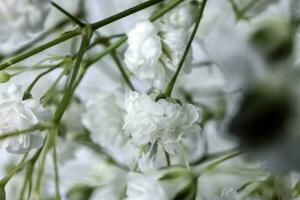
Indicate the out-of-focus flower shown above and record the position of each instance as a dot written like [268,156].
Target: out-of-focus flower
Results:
[17,114]
[143,53]
[147,121]
[182,17]
[174,43]
[104,118]
[266,121]
[274,40]
[19,19]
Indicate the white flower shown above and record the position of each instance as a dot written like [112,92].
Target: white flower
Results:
[104,118]
[19,19]
[182,17]
[148,121]
[174,45]
[16,115]
[142,187]
[143,53]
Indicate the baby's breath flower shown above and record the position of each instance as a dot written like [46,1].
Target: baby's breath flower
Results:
[143,53]
[17,114]
[147,121]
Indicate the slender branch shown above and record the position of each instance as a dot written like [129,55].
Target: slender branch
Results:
[212,156]
[122,70]
[125,13]
[27,92]
[165,9]
[56,173]
[26,131]
[69,92]
[169,89]
[73,18]
[36,50]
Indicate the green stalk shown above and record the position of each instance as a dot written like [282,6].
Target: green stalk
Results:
[170,87]
[125,13]
[26,131]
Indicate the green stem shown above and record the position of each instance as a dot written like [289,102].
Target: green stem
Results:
[26,131]
[169,89]
[212,156]
[58,40]
[122,70]
[69,91]
[73,18]
[49,143]
[48,94]
[56,172]
[125,13]
[165,9]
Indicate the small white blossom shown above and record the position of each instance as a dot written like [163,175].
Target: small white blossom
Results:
[182,17]
[143,53]
[17,114]
[148,121]
[142,187]
[175,41]
[19,19]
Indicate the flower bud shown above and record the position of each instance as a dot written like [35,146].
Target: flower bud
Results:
[263,115]
[4,77]
[80,192]
[274,40]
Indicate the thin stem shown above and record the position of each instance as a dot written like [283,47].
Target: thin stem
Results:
[69,15]
[34,51]
[164,10]
[48,94]
[122,70]
[56,172]
[125,13]
[212,156]
[26,131]
[169,89]
[69,91]
[168,158]
[49,142]
[201,169]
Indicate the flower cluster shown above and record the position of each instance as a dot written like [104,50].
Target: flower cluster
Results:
[154,51]
[147,121]
[17,115]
